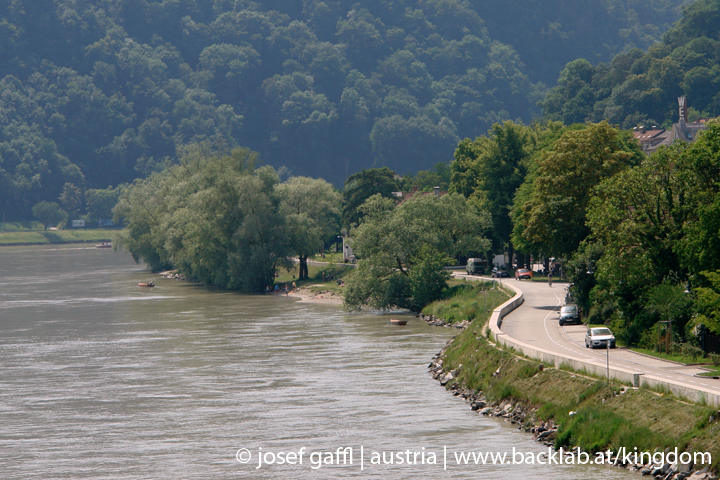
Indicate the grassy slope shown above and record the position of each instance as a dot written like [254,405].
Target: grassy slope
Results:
[604,417]
[472,301]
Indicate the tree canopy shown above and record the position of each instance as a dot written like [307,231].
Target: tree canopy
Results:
[216,218]
[403,248]
[553,216]
[490,169]
[311,208]
[101,92]
[641,88]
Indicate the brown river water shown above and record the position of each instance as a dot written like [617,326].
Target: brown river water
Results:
[102,379]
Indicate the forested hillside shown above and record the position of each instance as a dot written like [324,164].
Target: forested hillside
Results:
[99,92]
[639,87]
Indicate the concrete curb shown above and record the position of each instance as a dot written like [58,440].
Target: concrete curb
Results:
[634,377]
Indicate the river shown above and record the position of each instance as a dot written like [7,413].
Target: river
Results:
[102,379]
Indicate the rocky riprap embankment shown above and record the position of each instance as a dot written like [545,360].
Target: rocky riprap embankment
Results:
[439,322]
[526,419]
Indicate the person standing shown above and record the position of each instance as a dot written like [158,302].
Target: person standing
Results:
[550,278]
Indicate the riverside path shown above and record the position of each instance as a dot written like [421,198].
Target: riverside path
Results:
[535,323]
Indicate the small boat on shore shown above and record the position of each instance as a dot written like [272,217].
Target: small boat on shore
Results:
[396,321]
[148,284]
[104,245]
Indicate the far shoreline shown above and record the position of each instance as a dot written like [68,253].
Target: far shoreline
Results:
[70,242]
[22,238]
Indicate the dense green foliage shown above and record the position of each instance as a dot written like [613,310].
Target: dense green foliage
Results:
[641,88]
[536,181]
[551,33]
[551,220]
[636,234]
[311,208]
[49,213]
[221,220]
[403,249]
[100,92]
[363,185]
[489,171]
[657,226]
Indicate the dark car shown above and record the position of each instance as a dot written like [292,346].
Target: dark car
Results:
[498,273]
[569,314]
[521,273]
[599,337]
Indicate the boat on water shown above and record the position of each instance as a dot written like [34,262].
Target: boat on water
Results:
[104,245]
[397,321]
[148,284]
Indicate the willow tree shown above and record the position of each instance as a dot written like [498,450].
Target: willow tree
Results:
[311,207]
[216,218]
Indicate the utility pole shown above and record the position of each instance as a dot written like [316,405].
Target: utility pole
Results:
[607,347]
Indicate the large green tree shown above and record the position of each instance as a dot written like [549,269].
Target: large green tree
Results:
[363,185]
[100,202]
[490,169]
[216,218]
[311,208]
[49,213]
[656,225]
[403,248]
[553,216]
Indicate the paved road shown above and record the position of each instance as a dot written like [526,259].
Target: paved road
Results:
[535,322]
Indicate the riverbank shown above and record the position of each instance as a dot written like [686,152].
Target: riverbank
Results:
[306,295]
[583,412]
[41,237]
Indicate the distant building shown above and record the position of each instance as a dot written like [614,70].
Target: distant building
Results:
[651,138]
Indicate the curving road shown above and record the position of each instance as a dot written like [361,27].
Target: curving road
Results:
[535,322]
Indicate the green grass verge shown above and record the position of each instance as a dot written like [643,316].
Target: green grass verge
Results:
[328,257]
[672,357]
[315,281]
[602,417]
[472,301]
[40,237]
[20,226]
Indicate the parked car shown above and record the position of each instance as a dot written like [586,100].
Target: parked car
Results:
[498,273]
[475,266]
[521,273]
[599,337]
[569,313]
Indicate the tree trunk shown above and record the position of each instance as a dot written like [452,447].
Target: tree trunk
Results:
[303,268]
[521,260]
[511,254]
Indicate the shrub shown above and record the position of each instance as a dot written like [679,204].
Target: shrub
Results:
[715,358]
[692,351]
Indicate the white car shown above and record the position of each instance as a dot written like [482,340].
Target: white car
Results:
[599,337]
